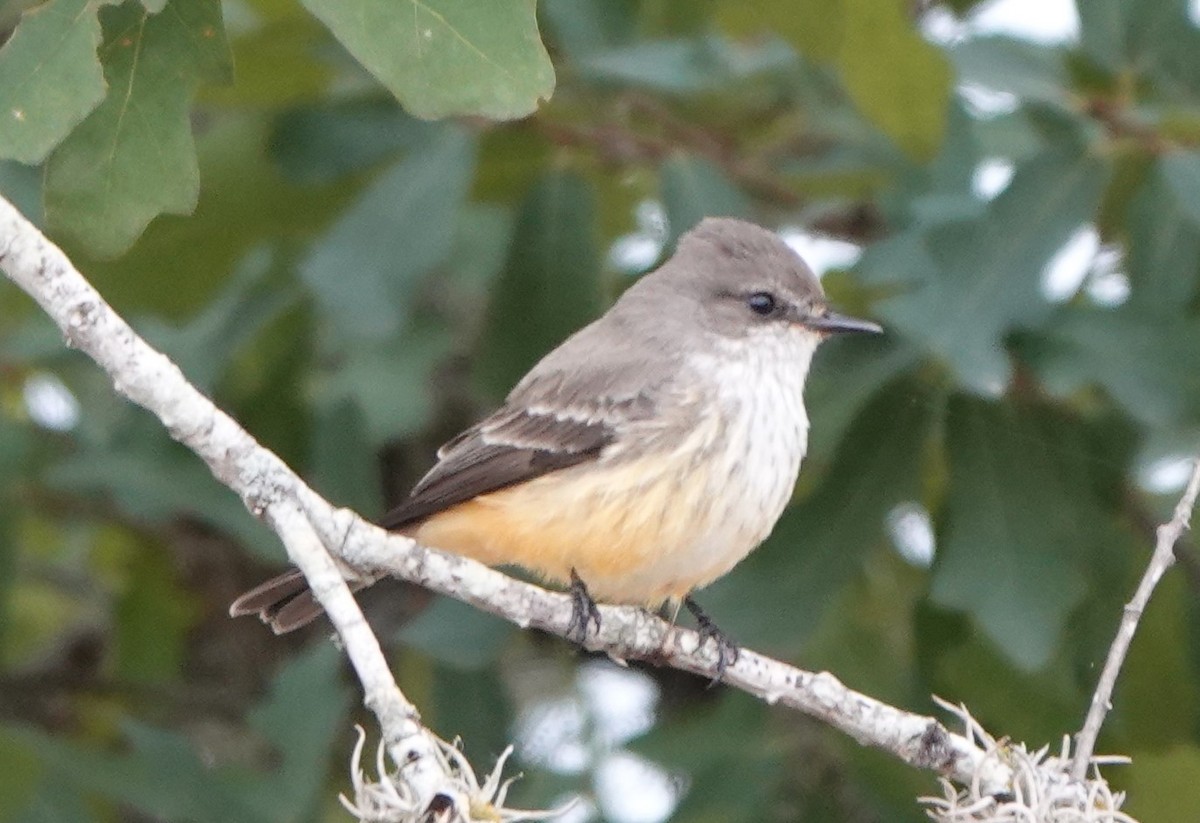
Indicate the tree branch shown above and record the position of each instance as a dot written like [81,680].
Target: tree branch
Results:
[1161,560]
[634,634]
[267,486]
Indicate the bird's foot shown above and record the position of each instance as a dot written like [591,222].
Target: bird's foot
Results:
[583,610]
[727,650]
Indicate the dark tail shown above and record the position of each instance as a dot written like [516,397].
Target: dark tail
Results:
[284,603]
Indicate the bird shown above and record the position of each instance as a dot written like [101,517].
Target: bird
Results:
[645,456]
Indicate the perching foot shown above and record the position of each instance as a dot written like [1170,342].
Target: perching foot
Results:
[727,650]
[583,610]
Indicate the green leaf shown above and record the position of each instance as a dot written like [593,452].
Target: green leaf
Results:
[1030,71]
[150,477]
[152,617]
[204,347]
[475,705]
[8,574]
[951,173]
[510,161]
[865,636]
[988,273]
[686,66]
[1163,245]
[39,613]
[456,634]
[1157,703]
[550,286]
[133,158]
[1162,783]
[301,715]
[814,27]
[734,775]
[686,741]
[343,467]
[268,387]
[245,207]
[15,447]
[581,27]
[959,659]
[22,186]
[164,776]
[390,383]
[1013,134]
[275,64]
[901,260]
[320,144]
[846,374]
[693,188]
[363,271]
[1152,40]
[818,545]
[50,78]
[908,101]
[480,246]
[20,777]
[1180,171]
[1103,31]
[1172,55]
[1013,529]
[1144,361]
[447,57]
[1151,23]
[56,803]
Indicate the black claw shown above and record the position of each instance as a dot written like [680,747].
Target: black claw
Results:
[583,610]
[727,650]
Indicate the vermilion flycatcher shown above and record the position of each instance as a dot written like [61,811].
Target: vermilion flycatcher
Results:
[647,454]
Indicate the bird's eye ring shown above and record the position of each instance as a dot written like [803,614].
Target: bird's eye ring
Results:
[761,303]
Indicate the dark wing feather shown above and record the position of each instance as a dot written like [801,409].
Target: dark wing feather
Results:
[511,446]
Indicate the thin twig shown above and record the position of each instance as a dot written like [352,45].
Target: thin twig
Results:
[1160,561]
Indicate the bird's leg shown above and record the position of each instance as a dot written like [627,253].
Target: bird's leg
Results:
[673,605]
[583,610]
[727,650]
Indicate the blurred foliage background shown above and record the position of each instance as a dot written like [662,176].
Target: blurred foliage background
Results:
[1012,188]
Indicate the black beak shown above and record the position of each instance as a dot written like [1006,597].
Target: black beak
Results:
[834,323]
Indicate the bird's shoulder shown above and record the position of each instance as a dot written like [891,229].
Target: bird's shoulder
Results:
[609,379]
[552,421]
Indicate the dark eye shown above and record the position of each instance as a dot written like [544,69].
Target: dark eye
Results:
[761,303]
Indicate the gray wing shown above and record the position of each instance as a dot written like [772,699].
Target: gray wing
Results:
[548,424]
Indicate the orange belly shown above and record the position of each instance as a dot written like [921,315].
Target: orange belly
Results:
[637,531]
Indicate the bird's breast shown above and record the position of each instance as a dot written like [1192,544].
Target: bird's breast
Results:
[760,394]
[669,508]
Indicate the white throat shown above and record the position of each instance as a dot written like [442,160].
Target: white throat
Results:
[758,386]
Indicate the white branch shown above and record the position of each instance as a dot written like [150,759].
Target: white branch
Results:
[634,634]
[1161,560]
[268,487]
[1043,790]
[310,527]
[413,748]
